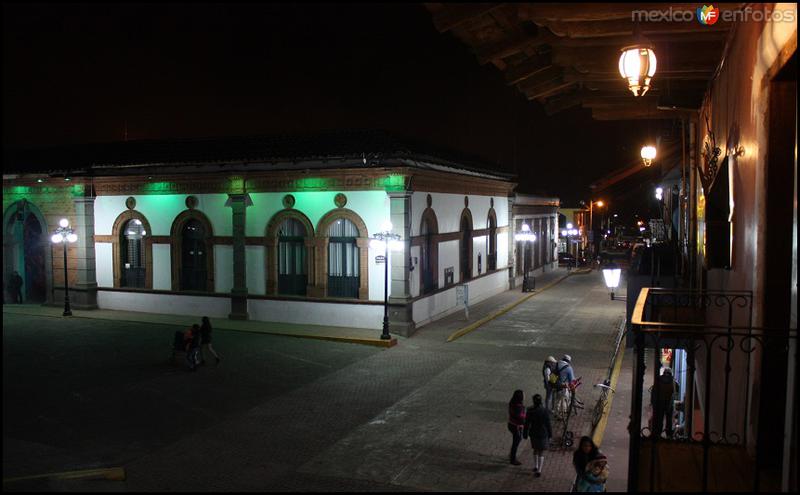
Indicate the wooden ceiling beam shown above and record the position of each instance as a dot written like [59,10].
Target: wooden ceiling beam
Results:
[455,15]
[574,76]
[657,84]
[562,102]
[673,57]
[573,12]
[620,41]
[547,89]
[549,74]
[637,113]
[590,29]
[532,66]
[502,50]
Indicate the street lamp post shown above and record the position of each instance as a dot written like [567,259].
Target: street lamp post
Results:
[591,222]
[382,239]
[570,233]
[611,274]
[525,236]
[65,234]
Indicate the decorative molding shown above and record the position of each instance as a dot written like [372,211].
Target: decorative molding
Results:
[288,201]
[340,200]
[130,203]
[191,202]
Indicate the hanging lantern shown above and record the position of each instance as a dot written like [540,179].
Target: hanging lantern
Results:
[637,64]
[648,155]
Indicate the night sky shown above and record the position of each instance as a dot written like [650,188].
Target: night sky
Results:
[77,73]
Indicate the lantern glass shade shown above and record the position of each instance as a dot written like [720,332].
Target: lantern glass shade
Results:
[56,238]
[637,64]
[611,275]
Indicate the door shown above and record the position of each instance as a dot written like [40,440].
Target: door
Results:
[292,276]
[194,257]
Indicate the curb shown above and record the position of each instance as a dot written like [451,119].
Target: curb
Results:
[111,474]
[600,429]
[343,339]
[469,328]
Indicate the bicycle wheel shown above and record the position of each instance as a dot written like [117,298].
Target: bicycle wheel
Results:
[597,413]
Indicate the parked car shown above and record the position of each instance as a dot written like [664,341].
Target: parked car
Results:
[566,259]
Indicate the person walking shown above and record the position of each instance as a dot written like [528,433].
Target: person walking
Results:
[537,427]
[550,381]
[586,452]
[662,398]
[205,336]
[516,423]
[191,341]
[15,283]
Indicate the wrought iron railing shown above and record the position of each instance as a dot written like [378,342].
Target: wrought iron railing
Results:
[724,366]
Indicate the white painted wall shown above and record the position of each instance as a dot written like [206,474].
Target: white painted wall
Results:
[104,264]
[217,307]
[223,268]
[371,206]
[160,211]
[443,303]
[448,208]
[328,314]
[256,274]
[162,269]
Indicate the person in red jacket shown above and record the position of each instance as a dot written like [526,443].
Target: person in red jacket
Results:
[516,422]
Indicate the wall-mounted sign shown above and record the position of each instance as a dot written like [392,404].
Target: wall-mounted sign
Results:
[380,259]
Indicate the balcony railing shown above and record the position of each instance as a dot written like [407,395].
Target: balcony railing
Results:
[731,368]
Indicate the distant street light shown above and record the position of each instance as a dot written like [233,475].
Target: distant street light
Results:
[65,234]
[383,239]
[659,193]
[525,236]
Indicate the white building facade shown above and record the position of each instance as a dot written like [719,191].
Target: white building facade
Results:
[282,239]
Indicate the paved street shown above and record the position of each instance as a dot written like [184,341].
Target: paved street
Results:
[295,414]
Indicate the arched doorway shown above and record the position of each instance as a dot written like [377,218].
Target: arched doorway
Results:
[429,252]
[292,273]
[24,251]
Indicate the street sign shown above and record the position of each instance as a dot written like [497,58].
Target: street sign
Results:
[462,297]
[380,259]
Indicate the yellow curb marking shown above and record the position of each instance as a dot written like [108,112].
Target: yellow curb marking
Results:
[600,429]
[351,340]
[112,474]
[460,333]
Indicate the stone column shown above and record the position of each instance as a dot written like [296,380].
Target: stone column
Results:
[84,294]
[238,203]
[400,315]
[512,260]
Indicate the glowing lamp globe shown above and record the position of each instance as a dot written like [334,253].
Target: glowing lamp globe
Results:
[56,238]
[63,223]
[648,155]
[637,65]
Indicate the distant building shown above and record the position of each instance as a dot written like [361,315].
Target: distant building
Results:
[540,213]
[273,229]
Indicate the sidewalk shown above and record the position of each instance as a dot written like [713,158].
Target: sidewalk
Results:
[338,334]
[616,439]
[454,324]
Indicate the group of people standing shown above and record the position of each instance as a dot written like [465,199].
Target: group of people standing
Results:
[534,422]
[195,340]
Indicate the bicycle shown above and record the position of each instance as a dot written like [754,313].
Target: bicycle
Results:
[600,406]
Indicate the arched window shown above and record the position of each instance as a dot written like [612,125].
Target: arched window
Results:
[292,274]
[491,256]
[132,251]
[132,254]
[429,252]
[465,247]
[194,256]
[343,259]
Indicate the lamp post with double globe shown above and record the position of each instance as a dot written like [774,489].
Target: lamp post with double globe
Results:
[64,234]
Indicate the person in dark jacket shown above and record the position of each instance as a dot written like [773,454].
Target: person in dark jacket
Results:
[586,452]
[205,336]
[191,340]
[662,399]
[516,422]
[537,426]
[15,284]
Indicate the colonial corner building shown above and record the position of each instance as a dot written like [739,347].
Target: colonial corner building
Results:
[272,229]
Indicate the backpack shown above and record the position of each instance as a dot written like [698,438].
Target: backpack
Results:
[556,374]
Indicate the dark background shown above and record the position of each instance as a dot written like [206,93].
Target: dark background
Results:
[79,73]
